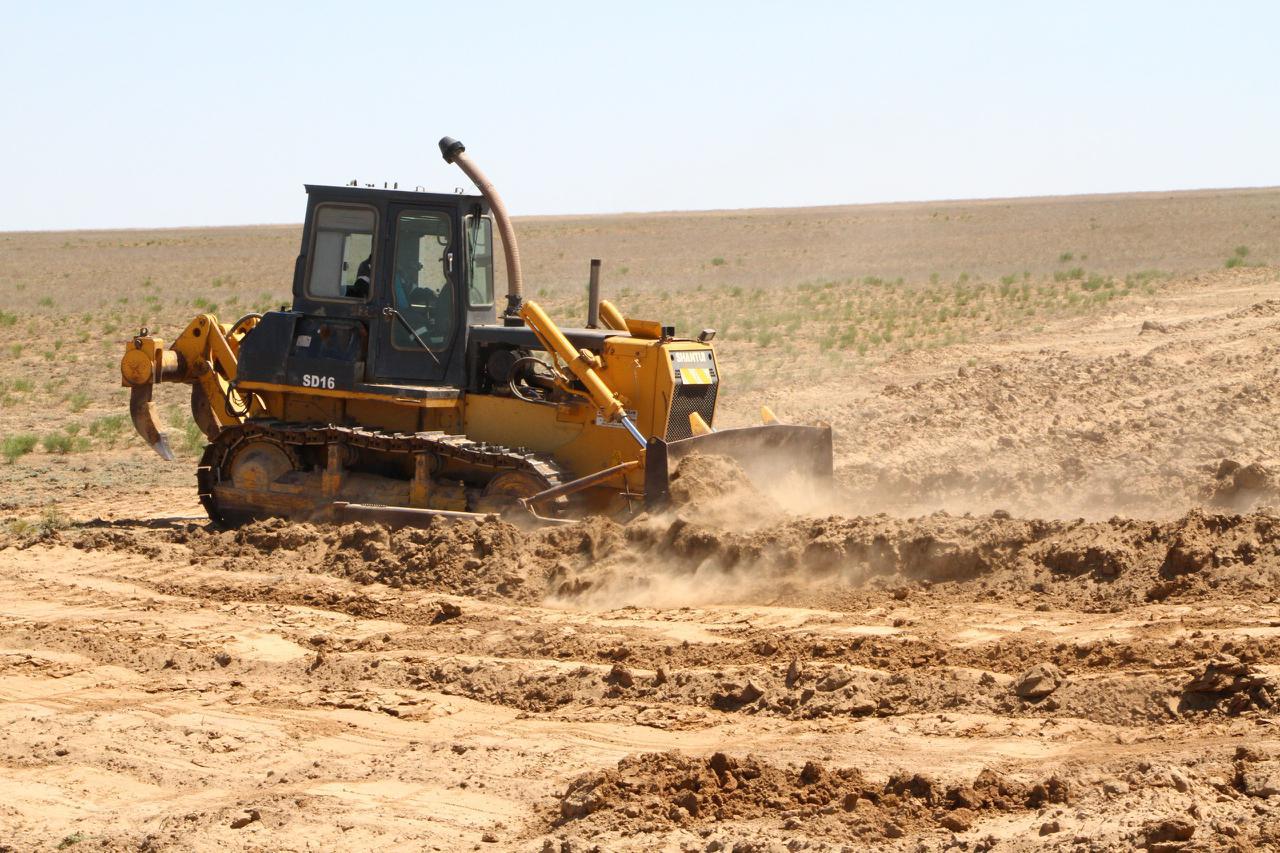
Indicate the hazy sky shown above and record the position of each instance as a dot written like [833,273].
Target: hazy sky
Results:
[126,114]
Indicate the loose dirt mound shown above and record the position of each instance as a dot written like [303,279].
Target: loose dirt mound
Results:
[1094,565]
[485,559]
[813,807]
[1238,486]
[717,491]
[1090,566]
[671,789]
[701,479]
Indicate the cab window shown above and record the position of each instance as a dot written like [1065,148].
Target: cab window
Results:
[480,261]
[342,252]
[422,281]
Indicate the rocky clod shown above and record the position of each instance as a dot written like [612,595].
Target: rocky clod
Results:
[1039,681]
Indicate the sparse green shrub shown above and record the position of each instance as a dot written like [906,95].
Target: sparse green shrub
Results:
[50,520]
[77,401]
[192,438]
[1144,276]
[46,302]
[1066,257]
[1237,257]
[7,319]
[717,262]
[107,428]
[58,442]
[14,446]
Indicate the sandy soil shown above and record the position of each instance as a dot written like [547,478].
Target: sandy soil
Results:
[1062,632]
[1042,610]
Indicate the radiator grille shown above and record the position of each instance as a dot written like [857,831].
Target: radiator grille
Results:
[688,399]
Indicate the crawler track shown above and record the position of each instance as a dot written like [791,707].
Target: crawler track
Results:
[453,456]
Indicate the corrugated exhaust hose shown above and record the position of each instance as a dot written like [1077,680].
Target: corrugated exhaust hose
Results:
[454,151]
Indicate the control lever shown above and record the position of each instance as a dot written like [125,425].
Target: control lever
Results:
[391,312]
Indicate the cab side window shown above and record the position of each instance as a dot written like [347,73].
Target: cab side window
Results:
[480,256]
[342,252]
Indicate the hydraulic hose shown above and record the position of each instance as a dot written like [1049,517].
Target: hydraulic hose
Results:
[454,151]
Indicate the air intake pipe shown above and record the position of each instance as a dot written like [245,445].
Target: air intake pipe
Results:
[454,151]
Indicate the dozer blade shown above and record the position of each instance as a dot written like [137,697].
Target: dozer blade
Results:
[768,454]
[143,413]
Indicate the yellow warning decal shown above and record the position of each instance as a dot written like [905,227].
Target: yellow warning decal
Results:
[695,376]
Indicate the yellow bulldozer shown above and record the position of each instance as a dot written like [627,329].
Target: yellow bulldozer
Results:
[391,390]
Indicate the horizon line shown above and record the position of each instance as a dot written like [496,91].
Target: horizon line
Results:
[704,211]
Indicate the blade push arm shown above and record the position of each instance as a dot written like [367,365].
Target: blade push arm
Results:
[582,363]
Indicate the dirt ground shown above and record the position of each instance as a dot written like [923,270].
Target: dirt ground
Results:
[1042,611]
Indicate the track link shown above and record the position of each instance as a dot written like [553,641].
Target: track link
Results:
[476,461]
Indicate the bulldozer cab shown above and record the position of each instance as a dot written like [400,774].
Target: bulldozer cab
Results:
[395,278]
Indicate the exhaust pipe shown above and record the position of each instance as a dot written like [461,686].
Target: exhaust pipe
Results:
[454,151]
[593,296]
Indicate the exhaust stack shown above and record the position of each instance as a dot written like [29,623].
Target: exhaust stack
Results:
[593,296]
[454,151]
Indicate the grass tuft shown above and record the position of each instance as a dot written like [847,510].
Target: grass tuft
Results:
[49,521]
[15,446]
[77,401]
[192,438]
[108,428]
[62,443]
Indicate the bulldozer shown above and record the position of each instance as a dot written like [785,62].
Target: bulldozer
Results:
[392,390]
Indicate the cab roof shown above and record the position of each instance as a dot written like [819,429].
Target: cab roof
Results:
[380,194]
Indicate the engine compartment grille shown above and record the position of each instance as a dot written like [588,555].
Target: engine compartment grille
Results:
[686,400]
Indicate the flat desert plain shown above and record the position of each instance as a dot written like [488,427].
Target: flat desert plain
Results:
[1041,611]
